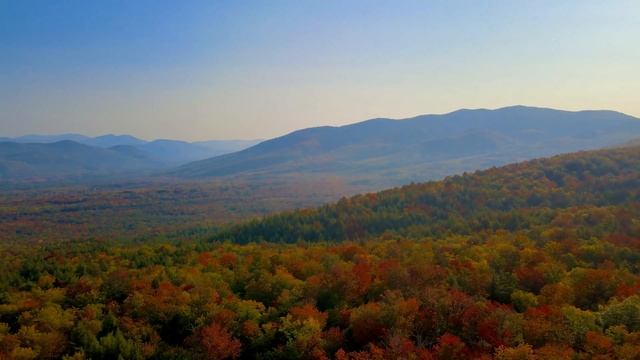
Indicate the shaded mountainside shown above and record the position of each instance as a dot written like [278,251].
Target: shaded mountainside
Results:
[72,156]
[175,152]
[515,197]
[385,151]
[68,159]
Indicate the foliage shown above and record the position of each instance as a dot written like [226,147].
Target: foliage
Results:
[534,261]
[151,210]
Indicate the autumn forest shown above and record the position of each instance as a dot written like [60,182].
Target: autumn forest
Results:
[535,260]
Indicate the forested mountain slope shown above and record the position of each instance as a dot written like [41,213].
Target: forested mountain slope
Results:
[513,197]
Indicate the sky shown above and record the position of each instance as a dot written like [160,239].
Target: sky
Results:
[200,70]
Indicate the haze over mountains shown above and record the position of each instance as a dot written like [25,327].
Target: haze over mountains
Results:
[373,153]
[74,156]
[383,152]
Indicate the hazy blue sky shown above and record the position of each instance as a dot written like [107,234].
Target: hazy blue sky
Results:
[254,69]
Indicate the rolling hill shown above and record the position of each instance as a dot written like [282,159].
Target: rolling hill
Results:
[384,152]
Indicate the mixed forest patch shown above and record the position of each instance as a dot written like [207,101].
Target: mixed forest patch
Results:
[152,210]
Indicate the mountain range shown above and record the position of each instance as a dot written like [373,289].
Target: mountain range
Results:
[383,152]
[74,156]
[375,153]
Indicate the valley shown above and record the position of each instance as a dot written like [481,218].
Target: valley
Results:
[145,210]
[319,180]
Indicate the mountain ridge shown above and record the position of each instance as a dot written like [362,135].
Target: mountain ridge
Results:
[391,152]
